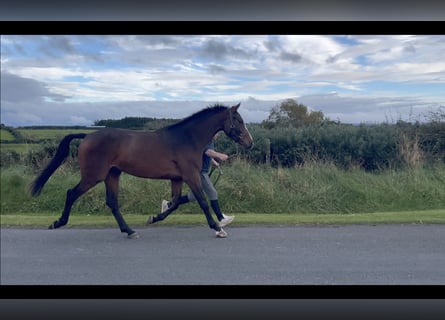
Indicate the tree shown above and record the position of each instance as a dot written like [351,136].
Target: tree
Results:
[291,113]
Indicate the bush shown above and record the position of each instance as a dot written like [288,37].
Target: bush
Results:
[372,148]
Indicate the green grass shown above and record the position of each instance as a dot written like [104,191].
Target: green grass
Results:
[241,219]
[50,134]
[35,135]
[6,135]
[21,148]
[244,189]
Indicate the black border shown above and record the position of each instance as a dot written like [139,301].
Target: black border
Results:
[176,10]
[210,308]
[222,291]
[222,27]
[220,302]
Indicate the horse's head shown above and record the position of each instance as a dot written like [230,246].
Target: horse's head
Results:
[235,128]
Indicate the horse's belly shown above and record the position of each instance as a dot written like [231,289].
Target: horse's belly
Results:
[151,170]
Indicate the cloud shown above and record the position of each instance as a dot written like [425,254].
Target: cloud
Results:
[220,50]
[348,109]
[366,109]
[17,89]
[66,79]
[292,57]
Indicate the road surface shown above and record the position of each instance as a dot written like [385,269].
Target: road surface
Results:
[257,255]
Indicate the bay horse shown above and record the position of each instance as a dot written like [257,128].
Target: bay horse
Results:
[173,152]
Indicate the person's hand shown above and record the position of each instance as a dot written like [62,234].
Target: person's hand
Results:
[223,157]
[215,163]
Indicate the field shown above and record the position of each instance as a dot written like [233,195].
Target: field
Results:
[21,148]
[316,193]
[6,135]
[31,139]
[49,134]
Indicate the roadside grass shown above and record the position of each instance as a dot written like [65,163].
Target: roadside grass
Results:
[243,189]
[241,219]
[309,195]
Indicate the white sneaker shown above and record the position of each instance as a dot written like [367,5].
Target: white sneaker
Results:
[164,205]
[221,234]
[226,220]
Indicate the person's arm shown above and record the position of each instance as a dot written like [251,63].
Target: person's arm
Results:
[215,154]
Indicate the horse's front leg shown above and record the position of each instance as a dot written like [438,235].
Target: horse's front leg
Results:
[196,187]
[112,190]
[176,187]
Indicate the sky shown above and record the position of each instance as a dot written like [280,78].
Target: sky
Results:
[78,79]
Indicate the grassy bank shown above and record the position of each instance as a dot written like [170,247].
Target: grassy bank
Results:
[244,189]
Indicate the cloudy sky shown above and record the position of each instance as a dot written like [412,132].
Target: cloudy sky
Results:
[75,80]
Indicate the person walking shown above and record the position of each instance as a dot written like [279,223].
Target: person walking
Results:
[208,158]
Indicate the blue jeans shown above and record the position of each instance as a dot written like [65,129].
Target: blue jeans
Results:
[207,186]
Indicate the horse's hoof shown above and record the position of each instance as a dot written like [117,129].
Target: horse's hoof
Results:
[150,220]
[134,235]
[221,234]
[51,226]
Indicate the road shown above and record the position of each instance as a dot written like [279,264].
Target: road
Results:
[257,255]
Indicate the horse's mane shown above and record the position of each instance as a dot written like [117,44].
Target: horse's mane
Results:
[204,113]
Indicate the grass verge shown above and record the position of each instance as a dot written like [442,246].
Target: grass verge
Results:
[242,219]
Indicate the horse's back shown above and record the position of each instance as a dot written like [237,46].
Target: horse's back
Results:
[104,141]
[140,153]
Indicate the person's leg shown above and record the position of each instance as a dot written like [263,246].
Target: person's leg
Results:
[166,204]
[212,194]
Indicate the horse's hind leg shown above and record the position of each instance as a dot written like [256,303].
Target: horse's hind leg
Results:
[71,196]
[112,187]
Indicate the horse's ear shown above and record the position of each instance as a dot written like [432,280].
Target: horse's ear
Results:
[235,108]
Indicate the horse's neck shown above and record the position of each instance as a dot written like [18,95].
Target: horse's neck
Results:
[204,132]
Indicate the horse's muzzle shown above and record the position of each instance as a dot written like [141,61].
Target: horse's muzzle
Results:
[246,143]
[249,146]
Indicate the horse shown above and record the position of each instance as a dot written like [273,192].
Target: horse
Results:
[172,153]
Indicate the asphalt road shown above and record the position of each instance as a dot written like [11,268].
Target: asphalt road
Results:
[299,255]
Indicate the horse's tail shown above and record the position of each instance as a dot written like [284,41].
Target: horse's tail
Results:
[60,156]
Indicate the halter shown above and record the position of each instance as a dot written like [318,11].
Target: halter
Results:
[232,126]
[231,120]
